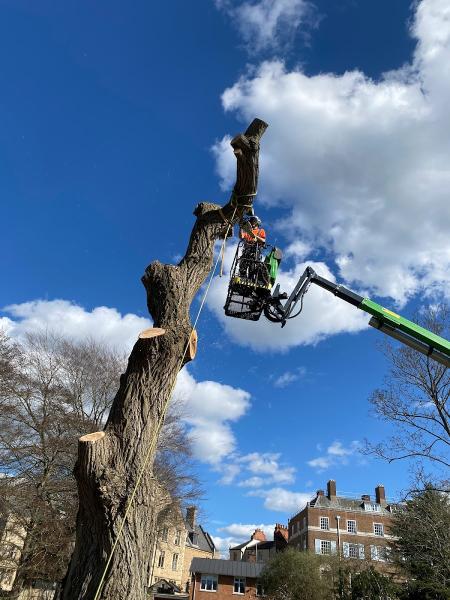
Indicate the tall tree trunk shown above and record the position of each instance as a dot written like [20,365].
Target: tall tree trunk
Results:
[109,462]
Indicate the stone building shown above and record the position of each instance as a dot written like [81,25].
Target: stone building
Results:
[12,539]
[179,540]
[353,528]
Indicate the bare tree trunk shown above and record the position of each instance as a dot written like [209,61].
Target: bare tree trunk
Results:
[109,462]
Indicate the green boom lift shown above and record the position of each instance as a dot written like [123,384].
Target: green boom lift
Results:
[250,303]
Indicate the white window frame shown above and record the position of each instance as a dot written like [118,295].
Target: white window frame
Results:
[352,528]
[164,534]
[325,544]
[240,582]
[175,557]
[213,581]
[161,558]
[380,527]
[259,588]
[324,521]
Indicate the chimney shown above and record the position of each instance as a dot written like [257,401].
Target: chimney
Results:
[365,498]
[191,514]
[331,489]
[380,494]
[320,492]
[280,537]
[281,530]
[259,535]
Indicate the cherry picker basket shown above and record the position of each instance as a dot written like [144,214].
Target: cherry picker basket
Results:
[249,285]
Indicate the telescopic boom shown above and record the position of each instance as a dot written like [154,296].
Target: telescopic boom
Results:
[385,320]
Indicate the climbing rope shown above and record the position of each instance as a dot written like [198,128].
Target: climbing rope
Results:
[163,414]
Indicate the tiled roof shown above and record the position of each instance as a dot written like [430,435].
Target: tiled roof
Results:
[203,540]
[234,568]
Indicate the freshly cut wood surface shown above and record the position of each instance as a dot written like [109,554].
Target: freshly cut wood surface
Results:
[193,341]
[92,437]
[151,332]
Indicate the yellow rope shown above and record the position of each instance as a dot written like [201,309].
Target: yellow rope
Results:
[161,420]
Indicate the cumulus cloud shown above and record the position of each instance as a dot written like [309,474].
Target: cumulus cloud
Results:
[322,314]
[210,408]
[281,500]
[335,455]
[361,166]
[268,24]
[102,323]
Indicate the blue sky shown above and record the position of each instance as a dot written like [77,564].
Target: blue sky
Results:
[115,121]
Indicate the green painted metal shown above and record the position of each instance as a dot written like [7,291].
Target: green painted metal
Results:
[412,329]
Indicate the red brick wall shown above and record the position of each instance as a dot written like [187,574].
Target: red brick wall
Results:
[225,589]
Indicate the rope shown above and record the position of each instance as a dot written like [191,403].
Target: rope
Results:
[160,422]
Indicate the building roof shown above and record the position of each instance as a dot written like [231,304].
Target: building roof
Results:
[218,566]
[248,543]
[342,503]
[203,540]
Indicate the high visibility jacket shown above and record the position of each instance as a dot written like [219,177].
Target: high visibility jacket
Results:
[256,232]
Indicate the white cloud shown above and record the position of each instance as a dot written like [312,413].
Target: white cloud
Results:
[66,318]
[268,24]
[282,500]
[209,408]
[322,315]
[362,166]
[336,454]
[230,472]
[242,532]
[289,377]
[267,464]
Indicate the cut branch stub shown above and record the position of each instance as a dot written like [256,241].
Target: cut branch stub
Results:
[151,333]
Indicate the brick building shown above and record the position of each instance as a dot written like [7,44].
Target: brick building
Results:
[258,548]
[224,578]
[354,528]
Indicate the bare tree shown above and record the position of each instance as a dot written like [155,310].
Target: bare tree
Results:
[421,542]
[114,469]
[51,390]
[415,400]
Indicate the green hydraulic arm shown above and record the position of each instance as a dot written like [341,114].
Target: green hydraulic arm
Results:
[385,320]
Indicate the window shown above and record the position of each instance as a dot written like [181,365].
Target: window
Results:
[304,543]
[177,537]
[350,550]
[164,534]
[351,526]
[303,522]
[259,589]
[372,507]
[324,523]
[209,583]
[161,559]
[325,547]
[378,529]
[239,585]
[174,562]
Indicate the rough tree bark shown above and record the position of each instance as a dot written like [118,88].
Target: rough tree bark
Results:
[109,462]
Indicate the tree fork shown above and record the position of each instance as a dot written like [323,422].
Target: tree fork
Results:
[109,462]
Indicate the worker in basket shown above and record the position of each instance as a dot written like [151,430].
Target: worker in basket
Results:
[252,266]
